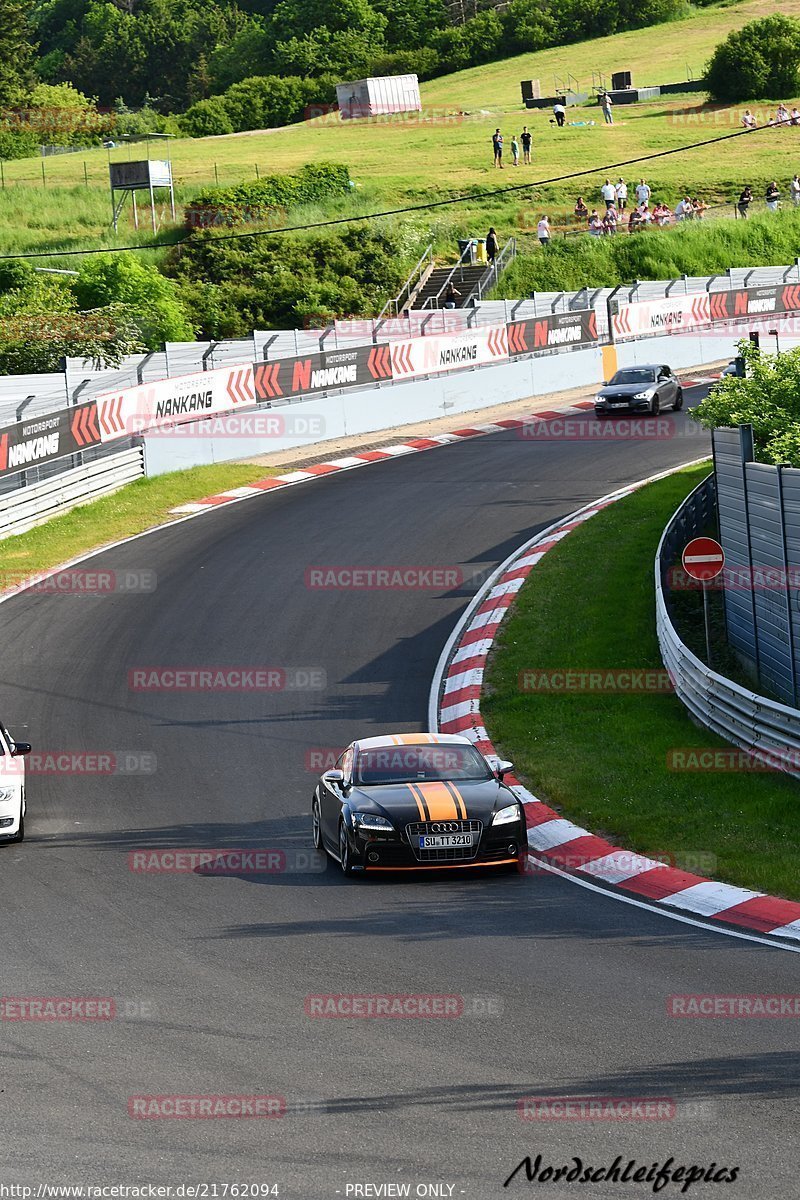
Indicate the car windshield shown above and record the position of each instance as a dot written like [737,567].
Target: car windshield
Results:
[420,764]
[635,375]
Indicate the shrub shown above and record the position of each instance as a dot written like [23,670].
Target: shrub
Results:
[759,60]
[123,279]
[258,197]
[206,118]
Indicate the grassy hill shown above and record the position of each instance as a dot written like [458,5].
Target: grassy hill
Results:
[414,160]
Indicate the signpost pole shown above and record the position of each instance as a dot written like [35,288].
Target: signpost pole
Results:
[707,622]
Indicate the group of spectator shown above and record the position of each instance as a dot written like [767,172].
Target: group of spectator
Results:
[772,196]
[782,117]
[524,141]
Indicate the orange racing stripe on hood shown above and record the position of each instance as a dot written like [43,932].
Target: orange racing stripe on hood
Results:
[439,801]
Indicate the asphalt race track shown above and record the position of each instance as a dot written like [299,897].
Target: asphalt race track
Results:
[210,975]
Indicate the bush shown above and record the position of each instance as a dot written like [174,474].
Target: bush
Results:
[758,61]
[206,118]
[423,62]
[258,197]
[233,287]
[122,279]
[768,399]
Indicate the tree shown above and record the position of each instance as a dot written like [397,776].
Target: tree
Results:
[109,279]
[768,398]
[17,47]
[758,61]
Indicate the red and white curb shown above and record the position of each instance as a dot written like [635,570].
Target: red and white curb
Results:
[366,457]
[455,708]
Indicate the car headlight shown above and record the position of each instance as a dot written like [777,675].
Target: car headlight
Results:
[507,815]
[7,794]
[642,395]
[599,399]
[371,821]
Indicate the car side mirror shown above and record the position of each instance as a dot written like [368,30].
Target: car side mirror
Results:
[334,776]
[21,748]
[502,768]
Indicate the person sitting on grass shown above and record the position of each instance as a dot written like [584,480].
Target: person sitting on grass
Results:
[661,215]
[581,211]
[645,216]
[634,220]
[611,219]
[748,120]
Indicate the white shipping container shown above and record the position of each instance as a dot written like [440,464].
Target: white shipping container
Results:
[379,96]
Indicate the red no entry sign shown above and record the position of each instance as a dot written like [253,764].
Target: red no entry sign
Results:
[703,559]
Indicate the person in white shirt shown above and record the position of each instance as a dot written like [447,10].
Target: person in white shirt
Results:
[643,192]
[622,194]
[543,231]
[560,114]
[609,193]
[794,191]
[748,120]
[680,210]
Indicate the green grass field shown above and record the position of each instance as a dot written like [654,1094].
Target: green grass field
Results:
[397,162]
[601,758]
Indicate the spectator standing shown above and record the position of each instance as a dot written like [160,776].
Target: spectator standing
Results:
[543,231]
[643,192]
[515,150]
[595,224]
[581,211]
[560,114]
[772,196]
[526,140]
[622,194]
[745,198]
[492,244]
[609,193]
[699,209]
[794,191]
[606,104]
[497,146]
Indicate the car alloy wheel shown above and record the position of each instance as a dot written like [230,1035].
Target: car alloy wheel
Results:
[344,851]
[316,826]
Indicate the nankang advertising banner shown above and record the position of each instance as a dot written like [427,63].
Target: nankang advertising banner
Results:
[306,374]
[681,313]
[46,438]
[553,331]
[171,401]
[449,352]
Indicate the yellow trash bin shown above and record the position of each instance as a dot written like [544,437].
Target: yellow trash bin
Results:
[480,250]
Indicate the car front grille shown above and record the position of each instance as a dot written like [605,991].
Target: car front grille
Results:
[450,854]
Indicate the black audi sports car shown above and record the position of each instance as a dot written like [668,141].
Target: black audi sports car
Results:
[639,389]
[418,801]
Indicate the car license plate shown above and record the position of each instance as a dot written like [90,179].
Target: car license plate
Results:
[445,841]
[618,404]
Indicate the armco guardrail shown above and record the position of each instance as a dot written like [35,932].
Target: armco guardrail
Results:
[759,726]
[23,509]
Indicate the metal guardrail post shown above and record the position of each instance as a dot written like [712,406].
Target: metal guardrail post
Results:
[140,366]
[266,346]
[23,405]
[209,353]
[786,590]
